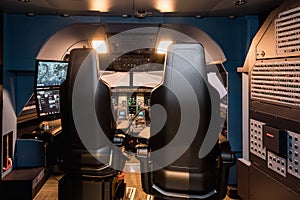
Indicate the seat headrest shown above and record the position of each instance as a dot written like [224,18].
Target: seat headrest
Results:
[183,55]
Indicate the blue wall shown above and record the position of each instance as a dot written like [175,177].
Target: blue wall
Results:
[24,36]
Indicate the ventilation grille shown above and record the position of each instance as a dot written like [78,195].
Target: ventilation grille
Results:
[287,28]
[277,82]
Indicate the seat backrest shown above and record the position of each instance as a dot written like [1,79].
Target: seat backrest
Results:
[86,111]
[185,96]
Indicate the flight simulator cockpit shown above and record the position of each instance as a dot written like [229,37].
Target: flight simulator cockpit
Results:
[143,99]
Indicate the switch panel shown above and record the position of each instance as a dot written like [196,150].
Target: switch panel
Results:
[256,139]
[286,29]
[293,145]
[277,163]
[276,83]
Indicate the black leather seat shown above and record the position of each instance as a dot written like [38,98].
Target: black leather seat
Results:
[88,128]
[188,100]
[85,147]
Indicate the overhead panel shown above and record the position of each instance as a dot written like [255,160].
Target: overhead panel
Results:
[122,40]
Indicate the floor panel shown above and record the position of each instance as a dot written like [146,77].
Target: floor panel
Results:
[134,192]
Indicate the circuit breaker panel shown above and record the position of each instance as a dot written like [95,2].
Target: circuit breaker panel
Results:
[274,104]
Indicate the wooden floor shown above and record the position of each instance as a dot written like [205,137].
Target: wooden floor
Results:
[133,180]
[50,189]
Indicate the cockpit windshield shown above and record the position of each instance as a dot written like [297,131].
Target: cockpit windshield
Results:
[139,68]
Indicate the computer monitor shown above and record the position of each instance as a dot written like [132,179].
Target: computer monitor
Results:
[122,114]
[141,115]
[50,73]
[48,102]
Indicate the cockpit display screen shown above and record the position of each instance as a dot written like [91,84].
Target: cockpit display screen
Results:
[51,73]
[48,102]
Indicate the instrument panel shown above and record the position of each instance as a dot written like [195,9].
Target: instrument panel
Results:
[130,107]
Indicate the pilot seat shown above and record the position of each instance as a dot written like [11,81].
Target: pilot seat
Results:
[192,109]
[89,160]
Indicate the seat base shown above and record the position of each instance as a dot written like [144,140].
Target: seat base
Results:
[177,196]
[185,182]
[76,187]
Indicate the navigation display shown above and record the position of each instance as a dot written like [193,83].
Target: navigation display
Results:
[48,102]
[51,73]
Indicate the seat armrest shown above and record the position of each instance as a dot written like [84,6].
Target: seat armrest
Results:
[145,166]
[227,156]
[227,160]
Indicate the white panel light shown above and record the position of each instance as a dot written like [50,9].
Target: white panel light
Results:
[99,5]
[163,46]
[165,5]
[99,46]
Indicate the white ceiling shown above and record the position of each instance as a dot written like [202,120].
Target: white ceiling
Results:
[131,7]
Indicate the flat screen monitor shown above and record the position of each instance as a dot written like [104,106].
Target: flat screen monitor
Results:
[131,101]
[141,115]
[48,102]
[50,73]
[122,114]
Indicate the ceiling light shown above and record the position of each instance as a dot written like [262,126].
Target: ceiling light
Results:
[163,46]
[240,2]
[99,46]
[165,6]
[100,6]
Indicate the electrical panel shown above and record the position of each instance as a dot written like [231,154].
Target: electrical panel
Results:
[274,103]
[276,82]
